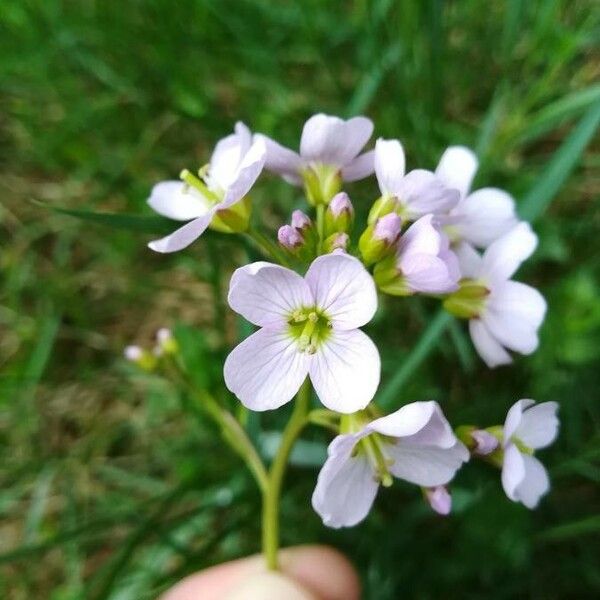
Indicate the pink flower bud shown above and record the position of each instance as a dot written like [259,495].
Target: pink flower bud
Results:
[486,442]
[439,499]
[289,237]
[340,204]
[388,228]
[300,220]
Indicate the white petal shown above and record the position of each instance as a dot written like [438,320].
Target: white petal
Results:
[333,141]
[429,274]
[513,471]
[250,168]
[360,167]
[427,466]
[490,350]
[227,156]
[266,370]
[182,237]
[419,422]
[469,260]
[513,418]
[535,483]
[266,294]
[346,486]
[390,165]
[344,289]
[345,371]
[178,201]
[281,160]
[457,168]
[420,192]
[520,302]
[539,425]
[504,256]
[420,238]
[486,215]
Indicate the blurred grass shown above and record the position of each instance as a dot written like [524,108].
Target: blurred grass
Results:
[107,479]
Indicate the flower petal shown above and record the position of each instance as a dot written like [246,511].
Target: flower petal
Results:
[504,256]
[485,215]
[490,350]
[420,192]
[281,160]
[265,294]
[390,165]
[427,466]
[346,486]
[249,170]
[332,140]
[266,370]
[469,260]
[360,167]
[513,419]
[429,274]
[184,236]
[343,289]
[226,157]
[539,425]
[345,371]
[535,483]
[513,471]
[178,201]
[457,168]
[420,238]
[439,499]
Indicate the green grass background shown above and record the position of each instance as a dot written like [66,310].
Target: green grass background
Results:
[112,485]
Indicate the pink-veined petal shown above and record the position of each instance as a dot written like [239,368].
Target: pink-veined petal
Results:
[177,200]
[266,294]
[182,237]
[539,425]
[345,371]
[343,289]
[281,160]
[346,486]
[360,167]
[535,483]
[457,168]
[490,350]
[513,471]
[420,192]
[266,370]
[390,165]
[250,168]
[331,140]
[504,256]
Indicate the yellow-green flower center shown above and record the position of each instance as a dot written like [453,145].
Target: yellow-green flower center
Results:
[310,327]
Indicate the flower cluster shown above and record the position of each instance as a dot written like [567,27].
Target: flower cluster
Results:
[426,234]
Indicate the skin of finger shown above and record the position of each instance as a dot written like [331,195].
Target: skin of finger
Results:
[320,570]
[267,586]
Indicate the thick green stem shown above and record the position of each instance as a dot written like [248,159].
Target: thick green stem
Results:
[270,524]
[320,225]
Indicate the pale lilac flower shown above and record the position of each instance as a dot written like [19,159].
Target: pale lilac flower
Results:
[328,143]
[423,263]
[508,313]
[439,499]
[309,326]
[415,443]
[480,217]
[485,442]
[528,427]
[412,194]
[234,166]
[133,353]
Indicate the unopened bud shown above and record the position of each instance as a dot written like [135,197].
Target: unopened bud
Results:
[290,238]
[300,220]
[166,342]
[336,241]
[379,238]
[142,358]
[485,442]
[339,215]
[381,207]
[133,353]
[439,499]
[468,301]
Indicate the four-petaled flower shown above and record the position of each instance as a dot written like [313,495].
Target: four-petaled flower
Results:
[415,443]
[503,313]
[528,427]
[309,326]
[234,166]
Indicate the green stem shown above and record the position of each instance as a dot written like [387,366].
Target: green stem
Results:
[270,524]
[266,246]
[320,225]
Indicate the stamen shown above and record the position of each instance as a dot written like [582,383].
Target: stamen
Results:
[191,180]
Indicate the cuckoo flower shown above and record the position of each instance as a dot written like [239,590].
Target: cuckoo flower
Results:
[411,195]
[309,326]
[415,443]
[480,217]
[422,263]
[329,154]
[502,313]
[234,166]
[528,427]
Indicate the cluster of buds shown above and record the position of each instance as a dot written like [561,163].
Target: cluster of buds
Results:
[148,359]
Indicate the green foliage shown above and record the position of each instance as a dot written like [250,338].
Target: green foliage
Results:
[111,479]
